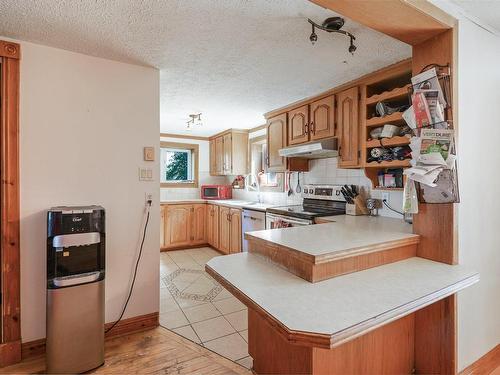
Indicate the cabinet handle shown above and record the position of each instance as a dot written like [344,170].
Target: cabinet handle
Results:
[307,128]
[312,127]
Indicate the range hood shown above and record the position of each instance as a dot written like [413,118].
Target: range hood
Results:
[326,148]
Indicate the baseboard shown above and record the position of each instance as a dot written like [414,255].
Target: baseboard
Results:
[10,353]
[124,327]
[184,247]
[484,365]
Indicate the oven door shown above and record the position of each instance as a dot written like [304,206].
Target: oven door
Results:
[274,221]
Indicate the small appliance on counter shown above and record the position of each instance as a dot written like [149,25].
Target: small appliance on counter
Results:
[75,289]
[319,200]
[216,191]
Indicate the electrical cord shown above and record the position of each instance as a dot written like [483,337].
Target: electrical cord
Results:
[390,208]
[135,271]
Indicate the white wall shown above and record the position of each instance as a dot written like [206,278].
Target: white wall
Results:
[84,122]
[478,214]
[204,172]
[478,221]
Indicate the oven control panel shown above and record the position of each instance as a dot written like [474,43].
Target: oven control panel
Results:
[326,192]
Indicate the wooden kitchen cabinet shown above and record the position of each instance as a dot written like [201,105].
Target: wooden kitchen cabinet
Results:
[183,225]
[224,230]
[276,140]
[213,225]
[177,225]
[298,125]
[235,235]
[322,123]
[348,127]
[229,153]
[212,154]
[198,219]
[219,156]
[229,230]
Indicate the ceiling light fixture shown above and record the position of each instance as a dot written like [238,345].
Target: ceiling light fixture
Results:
[332,25]
[194,121]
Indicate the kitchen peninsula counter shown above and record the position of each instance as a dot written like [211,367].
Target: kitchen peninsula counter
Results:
[372,316]
[349,244]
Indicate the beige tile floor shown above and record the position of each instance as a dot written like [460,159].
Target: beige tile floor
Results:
[195,306]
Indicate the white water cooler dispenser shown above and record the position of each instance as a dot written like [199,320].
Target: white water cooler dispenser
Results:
[75,289]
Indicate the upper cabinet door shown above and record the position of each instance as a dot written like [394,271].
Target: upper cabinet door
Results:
[228,161]
[276,140]
[322,118]
[213,158]
[219,156]
[348,127]
[298,125]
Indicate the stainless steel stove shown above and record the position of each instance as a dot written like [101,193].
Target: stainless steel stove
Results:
[319,200]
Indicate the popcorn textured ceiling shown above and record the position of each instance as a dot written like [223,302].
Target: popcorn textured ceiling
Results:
[232,60]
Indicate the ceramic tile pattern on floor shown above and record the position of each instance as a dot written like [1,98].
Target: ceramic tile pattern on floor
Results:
[195,306]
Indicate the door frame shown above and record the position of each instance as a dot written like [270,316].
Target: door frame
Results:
[10,330]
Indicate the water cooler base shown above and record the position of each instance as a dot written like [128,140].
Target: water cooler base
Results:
[75,328]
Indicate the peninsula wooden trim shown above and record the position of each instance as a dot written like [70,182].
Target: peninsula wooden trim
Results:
[10,324]
[10,50]
[124,327]
[318,268]
[484,365]
[386,350]
[181,136]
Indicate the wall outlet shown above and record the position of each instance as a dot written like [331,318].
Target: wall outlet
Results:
[149,197]
[385,196]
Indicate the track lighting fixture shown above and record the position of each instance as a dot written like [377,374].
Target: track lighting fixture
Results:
[332,25]
[195,120]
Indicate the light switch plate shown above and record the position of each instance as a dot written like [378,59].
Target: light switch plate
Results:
[149,154]
[145,174]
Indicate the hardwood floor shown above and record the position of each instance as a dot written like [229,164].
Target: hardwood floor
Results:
[154,351]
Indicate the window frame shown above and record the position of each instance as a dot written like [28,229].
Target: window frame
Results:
[194,148]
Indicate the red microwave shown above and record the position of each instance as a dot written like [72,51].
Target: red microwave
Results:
[216,191]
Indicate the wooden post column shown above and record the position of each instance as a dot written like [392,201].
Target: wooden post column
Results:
[10,323]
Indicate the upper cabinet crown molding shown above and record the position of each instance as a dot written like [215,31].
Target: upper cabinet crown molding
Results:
[10,49]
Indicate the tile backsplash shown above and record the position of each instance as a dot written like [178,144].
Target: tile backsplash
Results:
[321,171]
[326,171]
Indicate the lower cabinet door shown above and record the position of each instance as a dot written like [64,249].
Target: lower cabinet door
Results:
[198,227]
[177,225]
[213,225]
[235,246]
[224,230]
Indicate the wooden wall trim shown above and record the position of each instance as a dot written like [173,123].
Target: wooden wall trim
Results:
[180,136]
[10,50]
[10,353]
[408,21]
[124,327]
[484,365]
[9,200]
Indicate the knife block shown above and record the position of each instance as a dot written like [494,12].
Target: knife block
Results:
[357,208]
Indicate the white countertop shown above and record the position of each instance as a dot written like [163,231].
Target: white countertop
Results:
[345,306]
[348,234]
[223,202]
